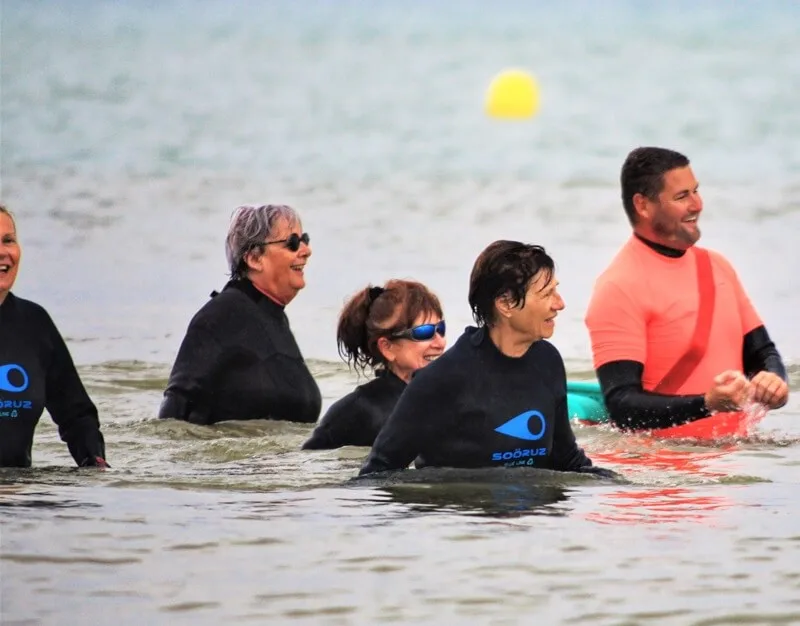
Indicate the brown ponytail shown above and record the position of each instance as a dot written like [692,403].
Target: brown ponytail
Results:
[376,312]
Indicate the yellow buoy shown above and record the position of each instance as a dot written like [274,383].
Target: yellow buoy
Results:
[512,94]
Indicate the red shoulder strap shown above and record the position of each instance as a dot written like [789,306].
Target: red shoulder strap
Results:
[683,368]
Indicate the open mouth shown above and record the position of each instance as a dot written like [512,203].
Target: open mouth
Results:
[432,357]
[298,268]
[5,268]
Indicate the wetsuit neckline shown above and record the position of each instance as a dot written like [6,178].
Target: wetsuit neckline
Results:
[660,248]
[6,304]
[480,338]
[9,297]
[390,376]
[250,290]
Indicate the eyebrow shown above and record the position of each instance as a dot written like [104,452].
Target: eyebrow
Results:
[685,191]
[549,288]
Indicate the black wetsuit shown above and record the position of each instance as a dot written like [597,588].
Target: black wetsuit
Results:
[356,419]
[37,373]
[476,407]
[631,407]
[239,360]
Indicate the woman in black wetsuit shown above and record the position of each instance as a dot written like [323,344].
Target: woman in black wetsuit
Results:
[239,359]
[498,397]
[394,330]
[37,373]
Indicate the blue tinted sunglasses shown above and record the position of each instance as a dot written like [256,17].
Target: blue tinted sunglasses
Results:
[423,332]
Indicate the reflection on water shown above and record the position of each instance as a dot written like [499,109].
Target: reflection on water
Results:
[38,500]
[487,500]
[637,455]
[368,119]
[495,492]
[659,506]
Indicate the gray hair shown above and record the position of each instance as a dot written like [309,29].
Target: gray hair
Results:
[251,226]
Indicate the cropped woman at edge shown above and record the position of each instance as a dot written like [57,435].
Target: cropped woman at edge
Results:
[37,373]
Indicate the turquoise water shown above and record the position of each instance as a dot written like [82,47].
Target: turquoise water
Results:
[129,131]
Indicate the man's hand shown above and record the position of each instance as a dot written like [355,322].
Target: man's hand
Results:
[770,389]
[730,392]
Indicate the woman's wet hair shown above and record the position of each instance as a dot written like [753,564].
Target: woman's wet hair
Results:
[505,269]
[376,312]
[251,226]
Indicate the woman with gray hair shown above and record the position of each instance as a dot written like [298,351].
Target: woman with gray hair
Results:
[239,359]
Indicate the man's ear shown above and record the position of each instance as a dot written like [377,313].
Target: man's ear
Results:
[641,205]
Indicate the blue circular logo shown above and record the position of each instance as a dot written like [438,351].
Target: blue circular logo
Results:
[5,378]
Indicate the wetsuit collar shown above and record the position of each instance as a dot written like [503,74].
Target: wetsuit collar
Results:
[391,377]
[6,304]
[272,297]
[479,337]
[476,335]
[250,290]
[661,249]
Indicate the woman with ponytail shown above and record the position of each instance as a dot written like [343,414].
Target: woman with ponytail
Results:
[392,330]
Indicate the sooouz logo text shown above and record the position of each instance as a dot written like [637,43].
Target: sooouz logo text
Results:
[13,379]
[528,426]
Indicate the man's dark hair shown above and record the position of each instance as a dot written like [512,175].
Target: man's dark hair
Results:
[643,172]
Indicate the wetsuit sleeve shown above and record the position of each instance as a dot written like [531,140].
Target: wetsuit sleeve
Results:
[198,360]
[417,418]
[337,426]
[632,408]
[759,354]
[567,455]
[70,406]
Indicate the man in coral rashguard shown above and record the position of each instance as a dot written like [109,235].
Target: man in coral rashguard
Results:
[674,336]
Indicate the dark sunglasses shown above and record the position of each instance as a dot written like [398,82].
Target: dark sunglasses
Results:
[424,332]
[292,242]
